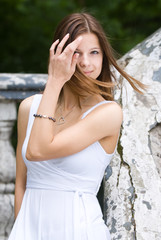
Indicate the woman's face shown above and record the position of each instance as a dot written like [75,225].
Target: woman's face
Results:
[90,55]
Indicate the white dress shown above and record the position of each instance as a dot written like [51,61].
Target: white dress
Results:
[60,199]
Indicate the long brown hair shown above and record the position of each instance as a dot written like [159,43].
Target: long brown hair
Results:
[80,23]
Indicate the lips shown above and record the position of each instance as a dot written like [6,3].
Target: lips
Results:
[87,72]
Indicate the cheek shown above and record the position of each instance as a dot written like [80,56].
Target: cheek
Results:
[78,61]
[99,63]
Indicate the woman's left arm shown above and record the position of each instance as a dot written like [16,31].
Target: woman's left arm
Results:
[102,122]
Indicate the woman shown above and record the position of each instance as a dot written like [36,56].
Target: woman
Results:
[68,136]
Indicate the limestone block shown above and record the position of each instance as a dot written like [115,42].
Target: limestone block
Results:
[119,202]
[19,86]
[139,167]
[6,188]
[7,167]
[7,215]
[7,157]
[155,144]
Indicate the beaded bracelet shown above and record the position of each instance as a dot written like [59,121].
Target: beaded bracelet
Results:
[44,116]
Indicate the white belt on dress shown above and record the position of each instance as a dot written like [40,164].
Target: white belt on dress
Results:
[76,224]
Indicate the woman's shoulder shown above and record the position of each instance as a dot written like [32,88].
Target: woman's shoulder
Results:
[99,107]
[111,108]
[25,105]
[107,105]
[100,104]
[113,114]
[107,111]
[23,116]
[98,99]
[24,108]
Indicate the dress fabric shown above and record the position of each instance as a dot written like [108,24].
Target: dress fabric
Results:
[60,199]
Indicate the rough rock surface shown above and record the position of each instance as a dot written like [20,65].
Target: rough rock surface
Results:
[133,180]
[19,86]
[7,167]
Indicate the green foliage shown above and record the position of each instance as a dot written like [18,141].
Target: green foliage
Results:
[27,27]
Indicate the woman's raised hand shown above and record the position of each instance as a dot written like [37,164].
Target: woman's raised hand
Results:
[62,63]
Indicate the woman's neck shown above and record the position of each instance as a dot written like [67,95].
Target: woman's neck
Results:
[68,99]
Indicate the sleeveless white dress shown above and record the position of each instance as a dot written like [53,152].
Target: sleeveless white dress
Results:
[60,199]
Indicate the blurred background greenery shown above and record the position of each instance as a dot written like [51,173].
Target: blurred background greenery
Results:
[27,27]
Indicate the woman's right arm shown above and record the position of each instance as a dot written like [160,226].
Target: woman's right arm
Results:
[20,184]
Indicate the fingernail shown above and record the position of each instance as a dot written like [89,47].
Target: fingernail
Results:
[67,34]
[77,55]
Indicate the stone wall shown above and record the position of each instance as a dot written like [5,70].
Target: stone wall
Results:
[133,180]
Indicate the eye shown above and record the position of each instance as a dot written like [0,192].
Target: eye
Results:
[94,52]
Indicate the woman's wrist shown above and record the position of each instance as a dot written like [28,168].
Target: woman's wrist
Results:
[55,83]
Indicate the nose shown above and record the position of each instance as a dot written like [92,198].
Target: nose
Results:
[84,61]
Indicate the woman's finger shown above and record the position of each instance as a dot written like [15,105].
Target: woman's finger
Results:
[61,44]
[52,48]
[74,61]
[70,49]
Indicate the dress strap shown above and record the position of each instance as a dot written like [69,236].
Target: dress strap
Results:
[92,108]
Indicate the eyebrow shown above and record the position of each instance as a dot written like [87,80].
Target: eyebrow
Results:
[90,48]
